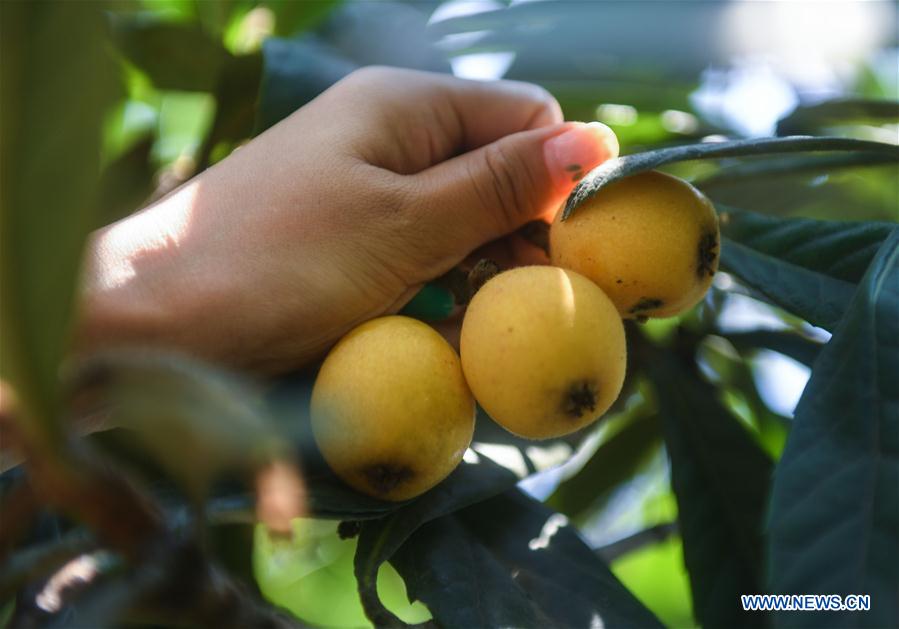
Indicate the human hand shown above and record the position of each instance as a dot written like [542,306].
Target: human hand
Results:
[336,215]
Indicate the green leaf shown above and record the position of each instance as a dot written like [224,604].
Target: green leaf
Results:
[720,477]
[57,81]
[294,72]
[127,182]
[614,462]
[380,539]
[835,500]
[176,56]
[622,167]
[292,17]
[195,420]
[750,172]
[810,118]
[839,249]
[510,561]
[460,581]
[235,94]
[817,298]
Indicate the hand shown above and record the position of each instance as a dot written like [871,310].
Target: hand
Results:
[335,215]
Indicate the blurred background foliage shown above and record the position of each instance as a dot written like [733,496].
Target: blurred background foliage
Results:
[672,489]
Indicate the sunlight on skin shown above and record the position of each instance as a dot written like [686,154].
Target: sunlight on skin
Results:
[159,227]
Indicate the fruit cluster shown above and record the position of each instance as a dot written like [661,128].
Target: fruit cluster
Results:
[542,348]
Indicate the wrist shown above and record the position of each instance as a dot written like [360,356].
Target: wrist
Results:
[133,289]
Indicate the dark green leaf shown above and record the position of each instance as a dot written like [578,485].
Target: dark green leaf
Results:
[510,561]
[331,498]
[622,167]
[720,477]
[555,565]
[57,81]
[613,463]
[294,72]
[835,501]
[817,298]
[840,249]
[379,539]
[176,56]
[461,582]
[809,118]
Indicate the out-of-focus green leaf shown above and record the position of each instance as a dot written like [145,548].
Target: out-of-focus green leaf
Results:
[379,540]
[57,81]
[839,249]
[817,298]
[811,118]
[580,97]
[720,477]
[622,167]
[126,182]
[750,172]
[176,56]
[195,420]
[613,463]
[292,17]
[294,72]
[184,120]
[215,16]
[738,391]
[510,561]
[835,500]
[236,96]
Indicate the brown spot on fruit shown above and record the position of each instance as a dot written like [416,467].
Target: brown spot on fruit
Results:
[573,168]
[646,303]
[383,478]
[707,254]
[580,399]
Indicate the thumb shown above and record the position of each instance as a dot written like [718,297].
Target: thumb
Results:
[489,192]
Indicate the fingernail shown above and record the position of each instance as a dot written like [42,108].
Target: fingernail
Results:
[572,154]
